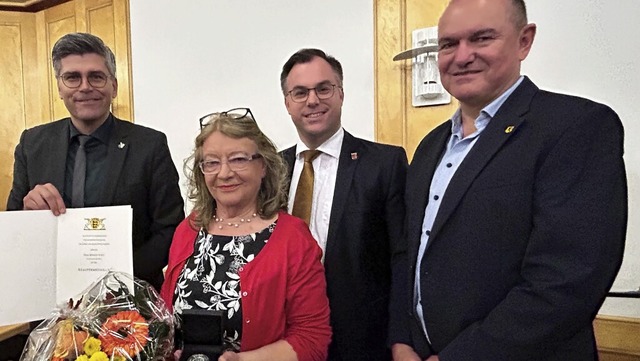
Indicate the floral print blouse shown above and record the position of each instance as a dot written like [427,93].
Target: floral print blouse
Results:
[210,280]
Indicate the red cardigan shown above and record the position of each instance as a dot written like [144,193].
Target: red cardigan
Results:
[283,289]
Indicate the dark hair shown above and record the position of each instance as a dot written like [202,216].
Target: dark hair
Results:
[272,196]
[80,44]
[304,56]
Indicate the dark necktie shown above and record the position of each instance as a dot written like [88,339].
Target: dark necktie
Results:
[304,191]
[79,174]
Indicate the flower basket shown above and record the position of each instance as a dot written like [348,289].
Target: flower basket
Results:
[118,318]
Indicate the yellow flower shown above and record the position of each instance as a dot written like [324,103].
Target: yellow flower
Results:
[118,358]
[83,358]
[91,346]
[99,356]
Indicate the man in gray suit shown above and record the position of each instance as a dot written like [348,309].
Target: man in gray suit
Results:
[126,164]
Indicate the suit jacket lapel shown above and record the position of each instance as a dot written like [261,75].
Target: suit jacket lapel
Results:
[503,126]
[289,156]
[56,166]
[116,155]
[422,171]
[344,178]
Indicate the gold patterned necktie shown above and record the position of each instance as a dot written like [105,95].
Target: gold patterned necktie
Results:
[304,191]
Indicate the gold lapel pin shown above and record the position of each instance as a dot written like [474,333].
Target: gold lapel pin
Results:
[120,145]
[509,129]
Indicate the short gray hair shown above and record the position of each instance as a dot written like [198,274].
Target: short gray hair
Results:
[80,44]
[519,14]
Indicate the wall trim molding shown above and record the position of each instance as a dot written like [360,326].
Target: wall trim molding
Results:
[31,6]
[618,338]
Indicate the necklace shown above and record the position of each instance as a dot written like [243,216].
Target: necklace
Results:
[221,222]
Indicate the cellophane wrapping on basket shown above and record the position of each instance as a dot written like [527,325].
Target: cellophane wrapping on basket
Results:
[109,322]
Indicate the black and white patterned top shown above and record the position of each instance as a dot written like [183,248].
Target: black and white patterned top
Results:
[210,280]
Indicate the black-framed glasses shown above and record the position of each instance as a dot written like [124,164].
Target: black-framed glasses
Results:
[323,91]
[236,163]
[235,113]
[96,79]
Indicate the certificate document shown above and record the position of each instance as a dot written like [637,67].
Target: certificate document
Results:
[90,242]
[46,260]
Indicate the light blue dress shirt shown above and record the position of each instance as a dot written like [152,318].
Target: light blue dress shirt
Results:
[457,149]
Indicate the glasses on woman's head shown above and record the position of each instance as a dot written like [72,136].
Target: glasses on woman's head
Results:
[235,113]
[236,163]
[96,79]
[323,91]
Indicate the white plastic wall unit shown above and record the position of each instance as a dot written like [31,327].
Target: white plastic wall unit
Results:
[426,83]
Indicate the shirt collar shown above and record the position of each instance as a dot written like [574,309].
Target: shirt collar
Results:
[486,114]
[331,146]
[102,133]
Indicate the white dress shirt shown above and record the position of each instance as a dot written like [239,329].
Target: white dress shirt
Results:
[325,169]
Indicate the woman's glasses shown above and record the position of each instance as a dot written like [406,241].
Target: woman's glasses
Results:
[235,113]
[235,163]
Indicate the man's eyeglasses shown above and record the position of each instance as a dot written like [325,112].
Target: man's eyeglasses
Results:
[235,163]
[235,113]
[323,91]
[96,79]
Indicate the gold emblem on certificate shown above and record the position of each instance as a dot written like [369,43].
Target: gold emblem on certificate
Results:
[94,224]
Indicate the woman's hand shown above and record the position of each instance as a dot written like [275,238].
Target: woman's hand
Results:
[229,356]
[402,352]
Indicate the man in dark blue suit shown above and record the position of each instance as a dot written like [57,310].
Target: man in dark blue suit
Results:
[357,209]
[516,207]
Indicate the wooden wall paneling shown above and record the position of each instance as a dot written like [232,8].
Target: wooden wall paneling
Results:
[109,19]
[422,14]
[122,49]
[394,22]
[618,338]
[57,21]
[43,74]
[17,61]
[390,79]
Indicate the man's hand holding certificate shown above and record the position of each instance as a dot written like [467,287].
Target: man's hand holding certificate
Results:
[47,260]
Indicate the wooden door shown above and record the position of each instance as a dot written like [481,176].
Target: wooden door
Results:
[396,120]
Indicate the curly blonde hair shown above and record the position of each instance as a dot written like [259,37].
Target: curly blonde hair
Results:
[272,196]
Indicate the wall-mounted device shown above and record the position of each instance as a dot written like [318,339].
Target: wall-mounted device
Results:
[427,88]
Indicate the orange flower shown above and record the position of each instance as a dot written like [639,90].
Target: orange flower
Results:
[68,340]
[126,331]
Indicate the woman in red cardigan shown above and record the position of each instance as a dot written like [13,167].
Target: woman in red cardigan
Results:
[240,254]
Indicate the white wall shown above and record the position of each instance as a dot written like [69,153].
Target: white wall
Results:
[191,58]
[592,49]
[194,57]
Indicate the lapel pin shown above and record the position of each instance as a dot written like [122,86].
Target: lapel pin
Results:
[354,155]
[120,145]
[509,129]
